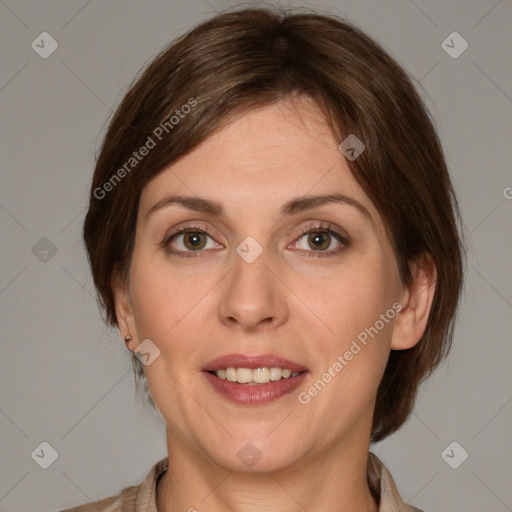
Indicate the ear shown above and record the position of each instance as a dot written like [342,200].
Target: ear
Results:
[416,303]
[124,309]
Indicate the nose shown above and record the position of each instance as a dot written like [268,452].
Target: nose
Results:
[253,297]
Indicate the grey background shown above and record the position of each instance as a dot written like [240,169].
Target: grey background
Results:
[66,380]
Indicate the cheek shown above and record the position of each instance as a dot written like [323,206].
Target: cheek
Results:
[163,296]
[351,298]
[170,309]
[357,317]
[164,303]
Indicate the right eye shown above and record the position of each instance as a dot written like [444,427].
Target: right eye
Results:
[189,240]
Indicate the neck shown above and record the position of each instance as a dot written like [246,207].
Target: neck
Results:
[334,479]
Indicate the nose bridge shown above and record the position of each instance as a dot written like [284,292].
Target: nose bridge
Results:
[253,295]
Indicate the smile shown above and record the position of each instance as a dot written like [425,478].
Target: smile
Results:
[253,380]
[255,376]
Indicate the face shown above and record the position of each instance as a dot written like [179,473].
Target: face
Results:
[308,288]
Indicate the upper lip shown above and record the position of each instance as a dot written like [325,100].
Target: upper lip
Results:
[252,362]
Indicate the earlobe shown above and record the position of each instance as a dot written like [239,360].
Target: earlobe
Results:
[123,306]
[416,303]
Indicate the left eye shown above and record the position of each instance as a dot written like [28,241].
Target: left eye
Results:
[320,240]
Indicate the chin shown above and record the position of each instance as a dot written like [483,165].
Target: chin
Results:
[255,456]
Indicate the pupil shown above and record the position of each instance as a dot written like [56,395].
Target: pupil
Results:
[318,240]
[194,239]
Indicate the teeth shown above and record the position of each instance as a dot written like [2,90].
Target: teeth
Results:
[256,376]
[243,375]
[260,375]
[230,374]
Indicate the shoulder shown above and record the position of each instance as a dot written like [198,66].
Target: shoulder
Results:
[382,484]
[136,498]
[122,502]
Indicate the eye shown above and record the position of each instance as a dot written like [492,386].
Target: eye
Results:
[320,238]
[189,240]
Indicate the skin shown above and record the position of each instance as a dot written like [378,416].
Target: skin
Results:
[306,309]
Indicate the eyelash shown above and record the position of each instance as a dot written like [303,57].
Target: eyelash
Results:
[319,228]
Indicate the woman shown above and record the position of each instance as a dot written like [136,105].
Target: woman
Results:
[273,230]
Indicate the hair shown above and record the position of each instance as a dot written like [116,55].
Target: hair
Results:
[244,59]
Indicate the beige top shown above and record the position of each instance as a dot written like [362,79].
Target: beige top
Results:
[142,498]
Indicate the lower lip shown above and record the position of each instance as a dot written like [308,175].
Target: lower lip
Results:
[255,394]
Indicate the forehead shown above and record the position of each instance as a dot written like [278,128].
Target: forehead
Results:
[262,158]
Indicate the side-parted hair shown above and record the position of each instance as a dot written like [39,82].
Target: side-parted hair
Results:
[243,59]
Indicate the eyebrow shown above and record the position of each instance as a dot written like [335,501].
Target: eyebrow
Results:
[294,206]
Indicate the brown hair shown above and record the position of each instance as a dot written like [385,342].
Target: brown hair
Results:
[242,59]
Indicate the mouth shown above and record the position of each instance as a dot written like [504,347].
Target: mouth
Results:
[254,376]
[253,380]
